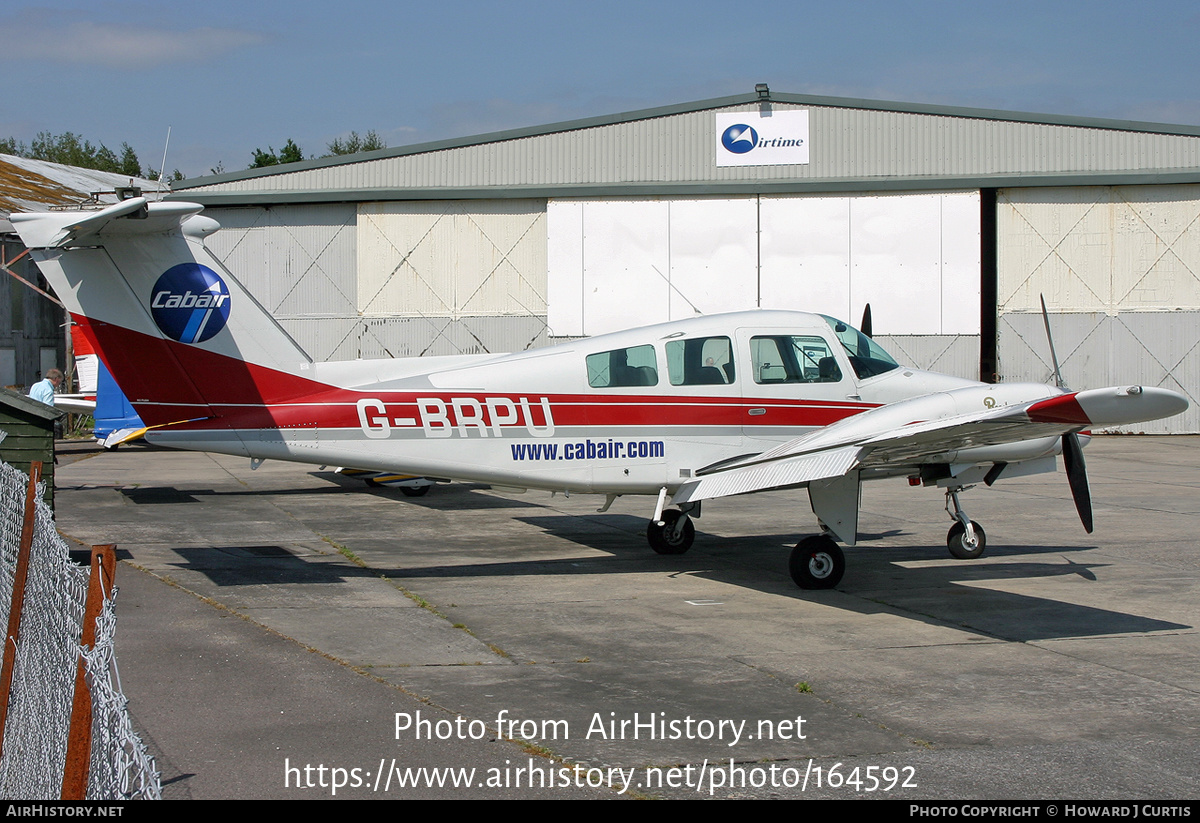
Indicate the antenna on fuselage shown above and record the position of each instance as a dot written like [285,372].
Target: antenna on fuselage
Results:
[162,172]
[1058,381]
[676,290]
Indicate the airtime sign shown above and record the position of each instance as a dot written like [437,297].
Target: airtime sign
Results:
[749,139]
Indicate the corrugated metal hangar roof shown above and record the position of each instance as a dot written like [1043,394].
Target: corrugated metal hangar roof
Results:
[32,185]
[856,145]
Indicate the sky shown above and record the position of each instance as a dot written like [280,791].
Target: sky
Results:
[229,76]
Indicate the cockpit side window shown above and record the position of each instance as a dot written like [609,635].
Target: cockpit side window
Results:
[787,358]
[866,356]
[700,361]
[636,366]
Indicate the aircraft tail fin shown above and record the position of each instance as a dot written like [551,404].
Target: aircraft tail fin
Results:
[181,335]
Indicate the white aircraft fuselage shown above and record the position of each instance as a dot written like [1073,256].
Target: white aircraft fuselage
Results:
[690,410]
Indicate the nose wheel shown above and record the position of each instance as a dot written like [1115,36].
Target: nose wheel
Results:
[817,563]
[965,539]
[960,546]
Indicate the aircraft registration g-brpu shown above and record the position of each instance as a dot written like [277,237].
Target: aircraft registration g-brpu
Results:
[682,412]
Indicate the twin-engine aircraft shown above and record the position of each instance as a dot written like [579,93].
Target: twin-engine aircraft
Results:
[681,412]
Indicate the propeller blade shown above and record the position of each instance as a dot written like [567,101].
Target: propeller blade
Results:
[865,325]
[1077,477]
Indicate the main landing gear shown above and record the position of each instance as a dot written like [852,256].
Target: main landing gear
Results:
[674,536]
[965,539]
[817,563]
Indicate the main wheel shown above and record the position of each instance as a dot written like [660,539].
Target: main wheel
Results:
[956,541]
[817,563]
[413,491]
[663,539]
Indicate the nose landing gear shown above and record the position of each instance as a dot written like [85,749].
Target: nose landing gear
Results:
[965,539]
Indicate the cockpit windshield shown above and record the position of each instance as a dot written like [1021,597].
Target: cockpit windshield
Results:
[866,356]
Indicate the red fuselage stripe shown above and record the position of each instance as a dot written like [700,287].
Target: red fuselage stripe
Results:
[168,382]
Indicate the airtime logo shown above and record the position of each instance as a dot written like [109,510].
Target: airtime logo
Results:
[190,303]
[739,138]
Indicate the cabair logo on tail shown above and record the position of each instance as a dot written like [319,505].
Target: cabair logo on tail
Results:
[190,303]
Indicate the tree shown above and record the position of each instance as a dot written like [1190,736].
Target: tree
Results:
[290,153]
[262,159]
[71,149]
[355,143]
[173,177]
[129,161]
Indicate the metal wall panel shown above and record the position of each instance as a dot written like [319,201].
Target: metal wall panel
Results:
[564,254]
[845,143]
[635,262]
[421,336]
[325,338]
[298,261]
[806,254]
[1120,271]
[913,257]
[361,338]
[452,258]
[1100,248]
[627,260]
[1096,350]
[953,354]
[713,256]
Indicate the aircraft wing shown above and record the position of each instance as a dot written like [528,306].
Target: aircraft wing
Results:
[925,429]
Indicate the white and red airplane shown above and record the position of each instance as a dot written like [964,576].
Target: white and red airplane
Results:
[682,412]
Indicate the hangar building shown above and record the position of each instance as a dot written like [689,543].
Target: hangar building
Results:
[950,222]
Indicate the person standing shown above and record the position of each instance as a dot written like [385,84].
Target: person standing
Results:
[43,392]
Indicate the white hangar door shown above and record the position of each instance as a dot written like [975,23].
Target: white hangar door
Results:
[451,277]
[618,263]
[298,262]
[1120,270]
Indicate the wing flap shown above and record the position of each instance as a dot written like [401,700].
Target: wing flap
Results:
[774,474]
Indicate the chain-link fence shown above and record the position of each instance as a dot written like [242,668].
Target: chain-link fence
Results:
[47,652]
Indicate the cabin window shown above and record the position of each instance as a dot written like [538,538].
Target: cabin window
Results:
[701,361]
[790,358]
[635,366]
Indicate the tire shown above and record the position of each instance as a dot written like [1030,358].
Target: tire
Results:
[817,563]
[661,539]
[414,491]
[956,541]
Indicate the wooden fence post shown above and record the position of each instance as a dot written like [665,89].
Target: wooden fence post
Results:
[18,596]
[79,740]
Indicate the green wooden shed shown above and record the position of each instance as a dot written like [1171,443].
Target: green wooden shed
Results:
[27,434]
